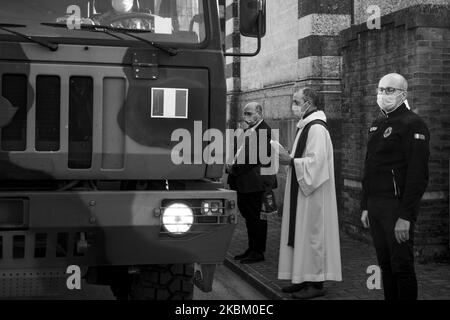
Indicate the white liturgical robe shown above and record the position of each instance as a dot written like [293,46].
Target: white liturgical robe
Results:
[316,254]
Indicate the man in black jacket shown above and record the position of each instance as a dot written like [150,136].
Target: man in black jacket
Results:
[395,179]
[245,177]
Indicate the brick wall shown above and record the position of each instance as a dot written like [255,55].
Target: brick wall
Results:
[414,42]
[387,6]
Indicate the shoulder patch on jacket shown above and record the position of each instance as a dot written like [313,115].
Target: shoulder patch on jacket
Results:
[388,132]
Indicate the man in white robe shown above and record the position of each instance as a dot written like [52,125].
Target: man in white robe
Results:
[310,247]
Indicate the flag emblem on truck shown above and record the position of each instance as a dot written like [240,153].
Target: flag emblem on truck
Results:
[169,103]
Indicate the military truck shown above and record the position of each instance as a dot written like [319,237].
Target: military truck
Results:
[91,92]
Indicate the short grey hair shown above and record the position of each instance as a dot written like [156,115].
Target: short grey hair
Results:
[309,94]
[258,107]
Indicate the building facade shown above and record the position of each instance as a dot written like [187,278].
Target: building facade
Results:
[342,48]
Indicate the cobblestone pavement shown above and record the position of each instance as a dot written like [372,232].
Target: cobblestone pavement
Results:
[433,279]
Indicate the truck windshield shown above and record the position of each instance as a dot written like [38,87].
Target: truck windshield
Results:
[172,21]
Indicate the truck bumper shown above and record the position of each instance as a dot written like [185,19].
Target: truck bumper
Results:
[56,230]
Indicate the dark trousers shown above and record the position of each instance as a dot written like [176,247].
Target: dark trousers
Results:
[395,260]
[250,207]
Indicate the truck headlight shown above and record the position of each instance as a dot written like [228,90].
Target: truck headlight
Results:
[212,207]
[178,218]
[215,206]
[206,210]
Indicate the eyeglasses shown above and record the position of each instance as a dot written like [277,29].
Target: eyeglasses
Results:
[388,90]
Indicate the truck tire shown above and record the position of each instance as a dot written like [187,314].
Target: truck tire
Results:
[164,282]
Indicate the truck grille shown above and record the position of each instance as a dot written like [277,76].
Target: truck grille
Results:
[47,121]
[63,120]
[80,122]
[48,100]
[14,135]
[83,121]
[39,245]
[29,283]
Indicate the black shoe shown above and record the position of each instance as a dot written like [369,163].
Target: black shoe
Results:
[242,256]
[253,257]
[309,292]
[294,287]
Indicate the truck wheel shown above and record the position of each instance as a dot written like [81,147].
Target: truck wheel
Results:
[164,282]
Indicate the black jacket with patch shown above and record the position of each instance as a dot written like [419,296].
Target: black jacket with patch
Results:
[396,164]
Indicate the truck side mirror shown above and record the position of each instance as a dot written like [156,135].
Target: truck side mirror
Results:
[253,18]
[252,24]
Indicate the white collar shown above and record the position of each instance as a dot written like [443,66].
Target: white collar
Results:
[318,115]
[257,125]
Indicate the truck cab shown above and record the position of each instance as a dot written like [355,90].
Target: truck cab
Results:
[91,92]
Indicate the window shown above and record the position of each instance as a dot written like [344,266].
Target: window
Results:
[166,20]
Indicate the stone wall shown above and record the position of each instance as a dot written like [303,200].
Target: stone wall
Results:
[387,6]
[277,61]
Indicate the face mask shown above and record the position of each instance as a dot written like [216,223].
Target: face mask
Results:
[122,6]
[298,110]
[389,103]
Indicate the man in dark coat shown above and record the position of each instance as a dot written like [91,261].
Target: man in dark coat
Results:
[395,179]
[245,177]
